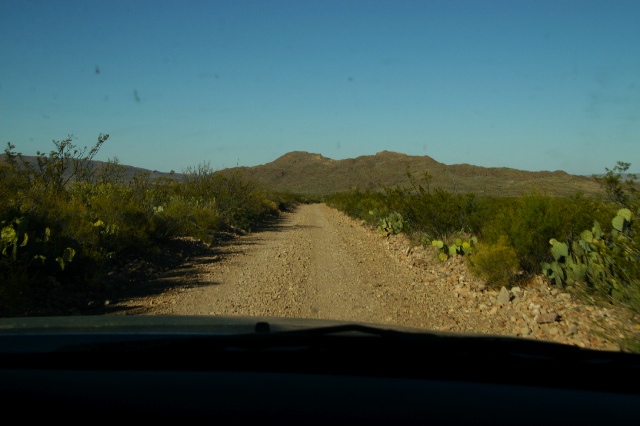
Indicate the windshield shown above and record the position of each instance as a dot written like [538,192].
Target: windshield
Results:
[458,166]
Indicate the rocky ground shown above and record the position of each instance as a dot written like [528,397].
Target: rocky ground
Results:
[318,263]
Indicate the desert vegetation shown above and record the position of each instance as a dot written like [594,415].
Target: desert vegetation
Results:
[68,221]
[65,221]
[588,245]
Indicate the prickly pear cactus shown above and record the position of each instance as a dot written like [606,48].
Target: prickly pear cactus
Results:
[459,246]
[622,221]
[13,234]
[391,225]
[558,250]
[605,263]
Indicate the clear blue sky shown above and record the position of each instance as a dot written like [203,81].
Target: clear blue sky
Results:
[534,85]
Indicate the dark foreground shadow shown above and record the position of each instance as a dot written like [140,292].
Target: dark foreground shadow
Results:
[175,267]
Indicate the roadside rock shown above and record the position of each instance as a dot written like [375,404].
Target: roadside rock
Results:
[547,318]
[565,319]
[504,297]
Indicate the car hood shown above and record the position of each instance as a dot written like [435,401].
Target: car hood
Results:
[45,334]
[176,324]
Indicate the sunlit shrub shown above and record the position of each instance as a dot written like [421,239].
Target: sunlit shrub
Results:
[496,263]
[189,217]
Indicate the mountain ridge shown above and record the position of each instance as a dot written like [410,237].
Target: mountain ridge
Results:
[313,174]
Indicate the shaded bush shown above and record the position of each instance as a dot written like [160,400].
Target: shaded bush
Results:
[64,221]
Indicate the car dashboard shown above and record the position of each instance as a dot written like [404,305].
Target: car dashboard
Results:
[261,369]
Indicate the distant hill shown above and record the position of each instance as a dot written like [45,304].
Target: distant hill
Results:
[313,174]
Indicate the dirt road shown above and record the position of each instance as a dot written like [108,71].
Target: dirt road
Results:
[314,263]
[319,263]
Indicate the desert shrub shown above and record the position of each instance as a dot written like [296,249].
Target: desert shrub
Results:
[189,217]
[433,215]
[496,263]
[622,191]
[285,200]
[64,164]
[240,201]
[442,213]
[530,221]
[371,207]
[108,218]
[36,257]
[65,220]
[435,212]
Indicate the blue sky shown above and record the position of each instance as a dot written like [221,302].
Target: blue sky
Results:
[533,85]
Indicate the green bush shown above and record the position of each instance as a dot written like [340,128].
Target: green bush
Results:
[423,213]
[189,217]
[240,201]
[496,263]
[368,206]
[531,221]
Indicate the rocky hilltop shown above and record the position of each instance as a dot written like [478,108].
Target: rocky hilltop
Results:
[313,174]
